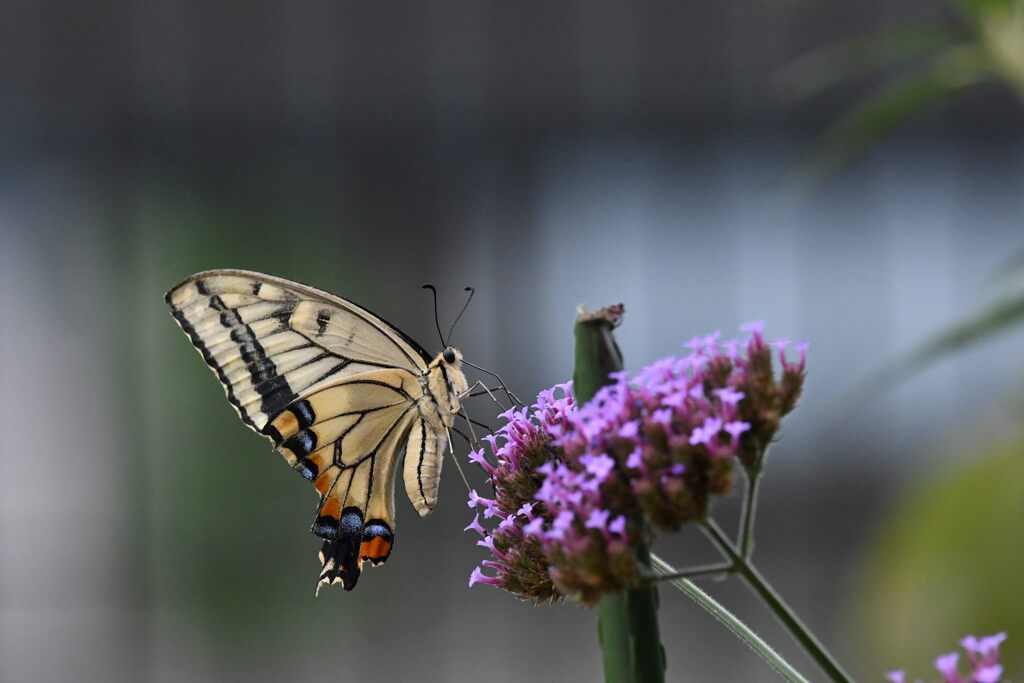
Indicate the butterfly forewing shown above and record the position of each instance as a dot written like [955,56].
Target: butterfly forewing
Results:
[341,393]
[268,339]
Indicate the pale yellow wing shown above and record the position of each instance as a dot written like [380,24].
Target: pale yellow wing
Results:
[347,438]
[270,341]
[336,390]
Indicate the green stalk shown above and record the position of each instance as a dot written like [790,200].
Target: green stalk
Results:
[776,604]
[750,509]
[702,571]
[627,624]
[729,620]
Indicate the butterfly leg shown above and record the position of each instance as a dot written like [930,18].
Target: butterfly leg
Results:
[451,447]
[508,392]
[469,442]
[484,389]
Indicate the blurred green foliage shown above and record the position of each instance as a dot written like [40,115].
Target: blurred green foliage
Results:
[948,560]
[948,563]
[934,62]
[999,310]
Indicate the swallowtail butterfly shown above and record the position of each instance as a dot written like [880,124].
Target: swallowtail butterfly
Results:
[342,394]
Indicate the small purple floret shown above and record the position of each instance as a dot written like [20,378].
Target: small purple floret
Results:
[946,664]
[982,654]
[477,576]
[598,519]
[476,526]
[988,674]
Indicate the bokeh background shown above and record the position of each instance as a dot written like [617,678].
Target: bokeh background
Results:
[705,163]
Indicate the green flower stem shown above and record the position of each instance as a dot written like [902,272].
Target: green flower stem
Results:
[627,627]
[741,630]
[749,510]
[692,573]
[775,603]
[627,624]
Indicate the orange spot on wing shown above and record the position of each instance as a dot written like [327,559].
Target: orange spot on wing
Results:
[324,481]
[318,460]
[376,549]
[286,424]
[331,508]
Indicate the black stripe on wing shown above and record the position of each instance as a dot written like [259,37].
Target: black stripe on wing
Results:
[274,390]
[197,341]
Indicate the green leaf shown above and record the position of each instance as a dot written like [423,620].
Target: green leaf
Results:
[1010,275]
[955,68]
[1002,311]
[977,7]
[994,318]
[860,56]
[731,622]
[1001,35]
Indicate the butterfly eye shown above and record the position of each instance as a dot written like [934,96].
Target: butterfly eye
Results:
[449,355]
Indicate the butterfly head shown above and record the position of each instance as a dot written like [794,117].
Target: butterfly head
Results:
[447,379]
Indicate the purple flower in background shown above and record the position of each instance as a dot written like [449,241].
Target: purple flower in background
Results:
[982,655]
[598,519]
[599,466]
[635,460]
[578,487]
[946,665]
[754,327]
[629,430]
[729,396]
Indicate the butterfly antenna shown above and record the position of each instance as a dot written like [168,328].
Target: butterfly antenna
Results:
[437,323]
[471,291]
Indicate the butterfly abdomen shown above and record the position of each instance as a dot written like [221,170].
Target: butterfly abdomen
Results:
[424,453]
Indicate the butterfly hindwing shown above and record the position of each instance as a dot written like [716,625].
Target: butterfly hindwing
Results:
[346,438]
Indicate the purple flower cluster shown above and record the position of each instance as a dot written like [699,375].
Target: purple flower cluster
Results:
[674,427]
[982,656]
[522,448]
[578,488]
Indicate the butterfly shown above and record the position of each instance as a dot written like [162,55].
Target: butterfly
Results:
[342,394]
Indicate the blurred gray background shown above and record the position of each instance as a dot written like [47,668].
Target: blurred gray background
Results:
[549,154]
